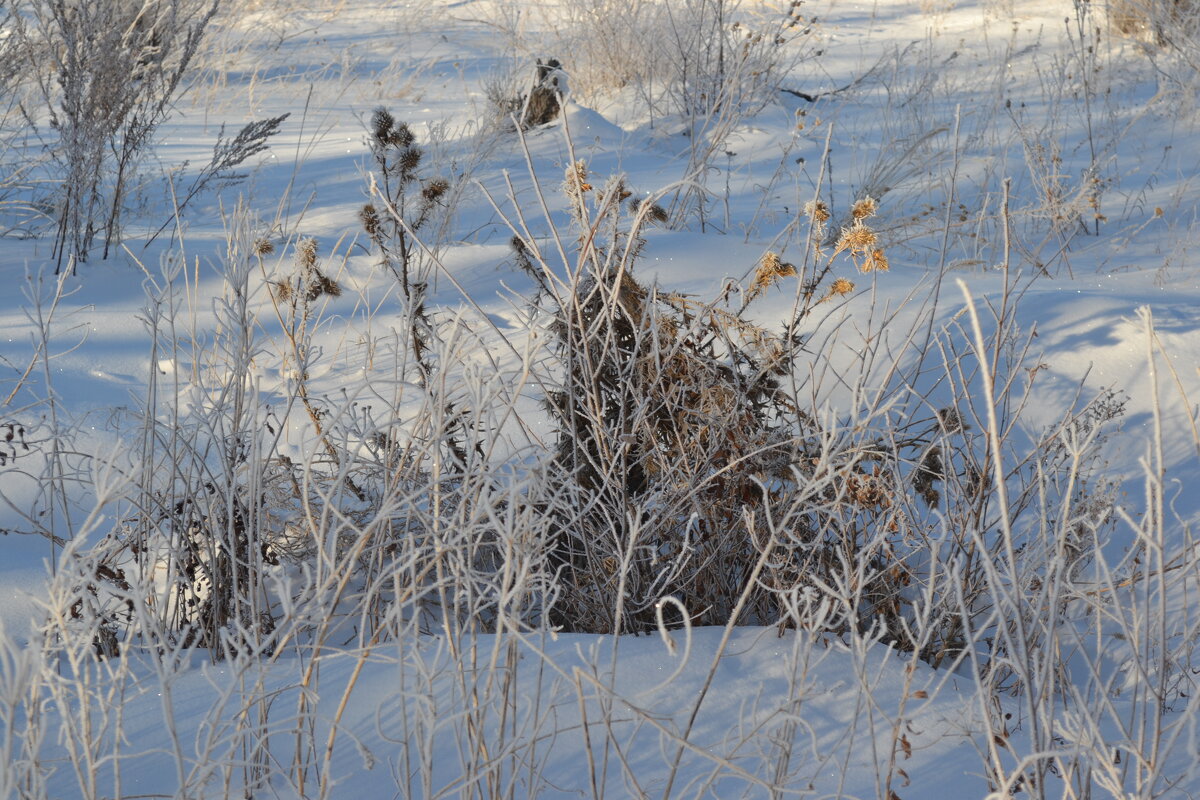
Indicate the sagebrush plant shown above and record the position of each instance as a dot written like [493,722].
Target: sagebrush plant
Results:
[1168,33]
[681,59]
[220,172]
[107,73]
[1163,22]
[696,68]
[724,64]
[683,452]
[198,532]
[16,162]
[657,423]
[220,501]
[1057,593]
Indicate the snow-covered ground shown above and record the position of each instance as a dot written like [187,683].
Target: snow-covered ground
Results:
[1033,167]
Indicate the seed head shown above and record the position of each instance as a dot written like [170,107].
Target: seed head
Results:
[381,125]
[306,254]
[402,136]
[770,269]
[369,217]
[654,212]
[949,420]
[841,286]
[863,208]
[858,239]
[875,261]
[817,210]
[434,190]
[410,159]
[577,178]
[322,285]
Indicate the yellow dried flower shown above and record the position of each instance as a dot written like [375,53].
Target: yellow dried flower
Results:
[875,261]
[770,269]
[857,239]
[841,286]
[577,178]
[863,208]
[817,210]
[772,263]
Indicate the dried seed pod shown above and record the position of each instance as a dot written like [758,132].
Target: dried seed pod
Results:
[857,239]
[770,269]
[863,208]
[841,286]
[410,159]
[368,215]
[817,210]
[382,123]
[306,254]
[875,261]
[434,189]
